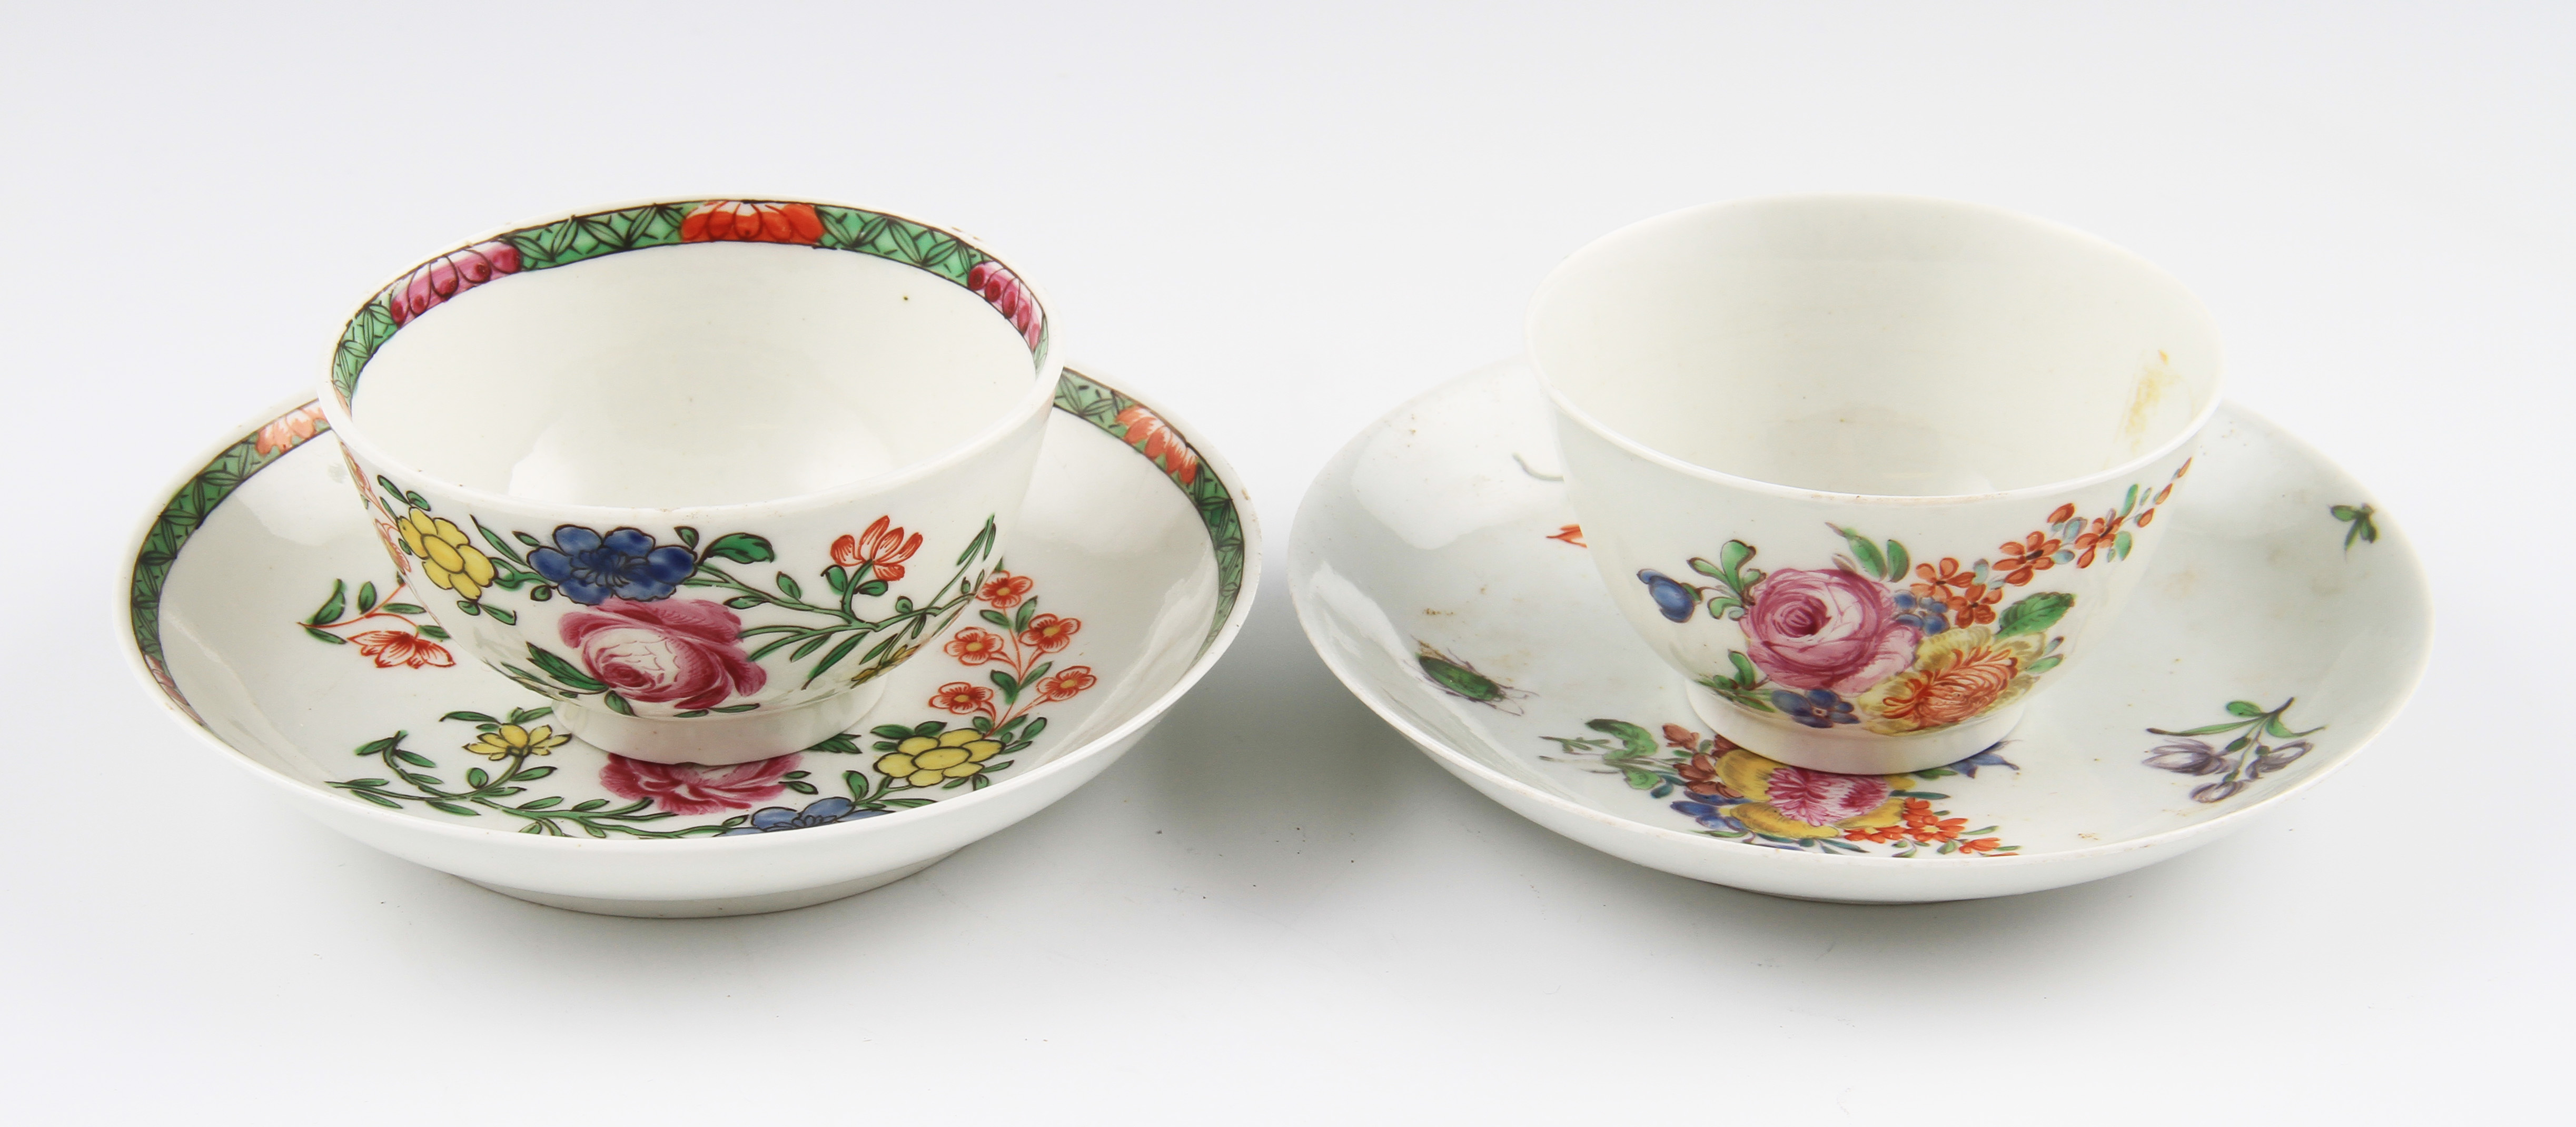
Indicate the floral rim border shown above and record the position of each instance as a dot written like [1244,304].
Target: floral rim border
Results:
[580,238]
[1076,394]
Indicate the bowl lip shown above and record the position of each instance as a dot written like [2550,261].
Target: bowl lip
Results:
[1211,649]
[1566,407]
[1032,403]
[1303,552]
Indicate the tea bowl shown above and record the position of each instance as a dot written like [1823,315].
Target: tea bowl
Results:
[1868,470]
[701,472]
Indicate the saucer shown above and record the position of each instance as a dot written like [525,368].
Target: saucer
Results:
[1440,573]
[266,615]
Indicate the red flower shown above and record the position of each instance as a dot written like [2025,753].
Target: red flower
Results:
[972,646]
[448,275]
[1700,775]
[960,697]
[741,221]
[1148,432]
[1005,590]
[290,429]
[686,788]
[398,647]
[1980,845]
[1571,534]
[884,547]
[2035,553]
[682,652]
[1049,633]
[1064,685]
[995,283]
[2097,537]
[1680,737]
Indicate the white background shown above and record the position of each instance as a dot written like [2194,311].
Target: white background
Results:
[1285,222]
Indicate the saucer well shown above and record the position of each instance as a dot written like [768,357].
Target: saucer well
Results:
[1439,572]
[265,614]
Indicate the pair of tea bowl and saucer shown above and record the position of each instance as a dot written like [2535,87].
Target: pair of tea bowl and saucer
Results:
[692,558]
[1836,634]
[715,557]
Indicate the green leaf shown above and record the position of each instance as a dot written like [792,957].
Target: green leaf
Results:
[1745,674]
[788,584]
[363,783]
[688,536]
[2239,743]
[378,799]
[535,773]
[593,804]
[2120,545]
[433,631]
[1722,606]
[478,777]
[1898,561]
[1641,780]
[811,644]
[452,808]
[366,595]
[1005,682]
[507,618]
[801,787]
[2044,664]
[564,672]
[1701,565]
[528,540]
[470,717]
[838,578]
[2034,614]
[524,715]
[833,658]
[326,635]
[693,714]
[1865,551]
[873,588]
[742,547]
[332,606]
[737,707]
[468,606]
[1036,726]
[379,747]
[1639,742]
[617,704]
[2345,512]
[403,608]
[744,602]
[2203,730]
[1731,558]
[929,727]
[891,732]
[541,592]
[996,618]
[414,758]
[2244,708]
[548,802]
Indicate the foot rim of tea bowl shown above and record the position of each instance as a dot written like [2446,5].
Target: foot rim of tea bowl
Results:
[1848,750]
[719,905]
[718,741]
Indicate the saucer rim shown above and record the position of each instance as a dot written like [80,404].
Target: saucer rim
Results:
[1301,547]
[1211,649]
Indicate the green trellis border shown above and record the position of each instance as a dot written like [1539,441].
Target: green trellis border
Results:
[580,238]
[1076,394]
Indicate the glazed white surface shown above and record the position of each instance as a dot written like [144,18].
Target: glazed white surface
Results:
[1287,222]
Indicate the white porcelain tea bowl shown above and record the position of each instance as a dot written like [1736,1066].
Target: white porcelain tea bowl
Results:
[265,616]
[1870,470]
[702,472]
[1444,577]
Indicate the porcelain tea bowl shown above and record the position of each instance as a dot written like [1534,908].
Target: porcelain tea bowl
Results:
[702,471]
[1869,470]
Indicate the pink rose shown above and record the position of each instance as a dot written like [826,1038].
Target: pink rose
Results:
[1822,798]
[1826,630]
[686,788]
[683,652]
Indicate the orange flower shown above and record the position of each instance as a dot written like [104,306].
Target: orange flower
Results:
[1049,633]
[1680,737]
[1063,685]
[1005,590]
[2062,513]
[1701,775]
[1980,845]
[2035,553]
[960,697]
[2097,537]
[1936,582]
[1148,432]
[975,647]
[1881,834]
[741,221]
[395,647]
[1571,534]
[1975,604]
[880,545]
[1954,687]
[2146,517]
[290,429]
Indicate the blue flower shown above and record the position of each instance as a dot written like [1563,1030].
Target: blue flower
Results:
[1709,815]
[1931,616]
[1988,758]
[770,819]
[1674,598]
[1815,708]
[589,568]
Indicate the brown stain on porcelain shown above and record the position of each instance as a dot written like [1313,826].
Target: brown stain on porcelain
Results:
[2154,382]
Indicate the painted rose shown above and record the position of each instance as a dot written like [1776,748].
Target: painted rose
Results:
[1825,630]
[1794,802]
[686,788]
[448,275]
[680,652]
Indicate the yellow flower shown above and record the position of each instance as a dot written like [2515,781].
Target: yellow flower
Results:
[1808,804]
[515,740]
[1958,675]
[889,661]
[446,554]
[924,761]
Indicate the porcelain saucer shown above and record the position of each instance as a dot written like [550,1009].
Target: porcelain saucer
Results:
[1436,567]
[265,613]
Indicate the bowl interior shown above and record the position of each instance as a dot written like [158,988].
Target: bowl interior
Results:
[696,372]
[266,607]
[1876,345]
